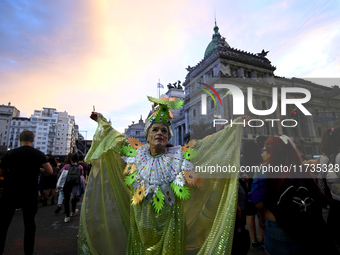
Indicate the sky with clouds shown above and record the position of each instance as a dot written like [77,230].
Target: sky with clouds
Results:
[71,55]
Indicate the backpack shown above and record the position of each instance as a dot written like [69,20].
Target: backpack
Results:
[295,209]
[73,176]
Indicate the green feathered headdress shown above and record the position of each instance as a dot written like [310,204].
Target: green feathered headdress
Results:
[162,112]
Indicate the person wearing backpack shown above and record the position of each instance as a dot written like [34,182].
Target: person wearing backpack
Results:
[292,203]
[72,186]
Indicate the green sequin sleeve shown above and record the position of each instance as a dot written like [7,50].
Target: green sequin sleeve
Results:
[104,220]
[203,224]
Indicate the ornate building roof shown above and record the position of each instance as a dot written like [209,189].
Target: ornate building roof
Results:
[217,40]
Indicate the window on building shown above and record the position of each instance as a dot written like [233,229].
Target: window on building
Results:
[293,132]
[264,105]
[320,131]
[316,113]
[194,112]
[53,120]
[234,71]
[137,132]
[259,75]
[212,104]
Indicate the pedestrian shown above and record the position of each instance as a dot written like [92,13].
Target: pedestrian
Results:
[59,188]
[330,161]
[21,167]
[241,240]
[251,158]
[84,165]
[292,206]
[50,181]
[72,190]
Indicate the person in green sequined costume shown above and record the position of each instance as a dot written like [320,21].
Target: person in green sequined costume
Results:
[204,224]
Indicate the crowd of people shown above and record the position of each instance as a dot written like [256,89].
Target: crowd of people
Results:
[53,186]
[28,176]
[288,208]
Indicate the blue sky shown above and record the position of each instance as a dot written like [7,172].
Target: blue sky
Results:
[71,55]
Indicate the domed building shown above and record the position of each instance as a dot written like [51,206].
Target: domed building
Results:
[216,40]
[223,64]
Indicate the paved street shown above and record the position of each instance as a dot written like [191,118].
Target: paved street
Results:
[54,237]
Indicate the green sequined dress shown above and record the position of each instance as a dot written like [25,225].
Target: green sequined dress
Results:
[203,224]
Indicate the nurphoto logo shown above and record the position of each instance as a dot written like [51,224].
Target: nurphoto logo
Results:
[238,103]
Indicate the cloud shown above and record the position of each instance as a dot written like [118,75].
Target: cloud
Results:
[71,55]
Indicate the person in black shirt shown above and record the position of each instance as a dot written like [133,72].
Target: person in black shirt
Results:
[20,168]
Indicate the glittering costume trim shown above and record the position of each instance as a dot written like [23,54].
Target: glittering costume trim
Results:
[158,178]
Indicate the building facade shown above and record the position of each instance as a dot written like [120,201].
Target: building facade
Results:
[55,132]
[7,113]
[136,130]
[225,65]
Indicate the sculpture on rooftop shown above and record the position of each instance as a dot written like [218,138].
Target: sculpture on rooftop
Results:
[179,85]
[263,53]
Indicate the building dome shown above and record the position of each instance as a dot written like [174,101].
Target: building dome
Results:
[216,40]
